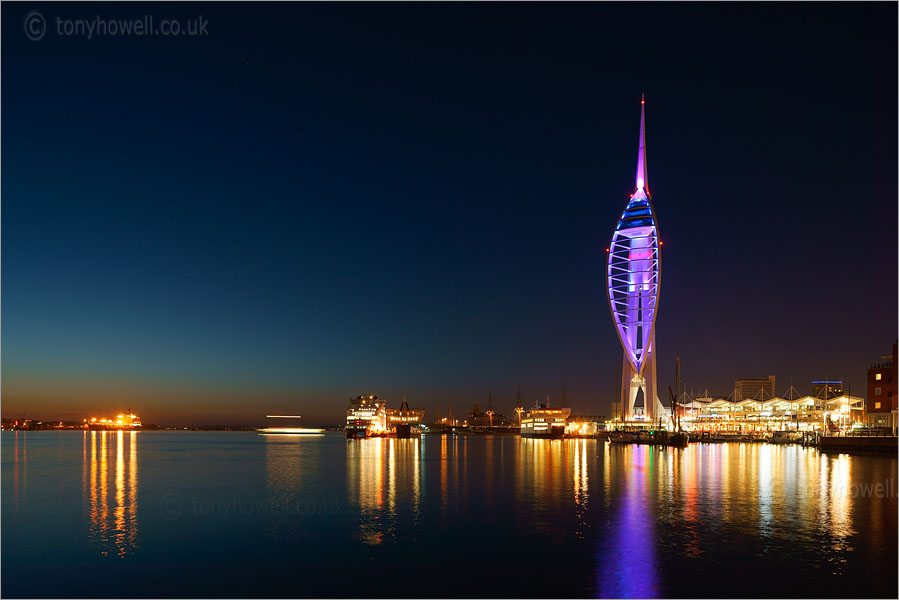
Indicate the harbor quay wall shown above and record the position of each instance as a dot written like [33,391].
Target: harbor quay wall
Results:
[858,444]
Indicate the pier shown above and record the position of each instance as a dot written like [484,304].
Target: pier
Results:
[860,441]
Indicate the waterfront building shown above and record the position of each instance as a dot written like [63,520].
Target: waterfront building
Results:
[633,271]
[585,425]
[827,389]
[774,414]
[9,424]
[757,388]
[882,388]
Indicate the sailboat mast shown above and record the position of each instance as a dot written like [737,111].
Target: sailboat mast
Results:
[676,396]
[618,391]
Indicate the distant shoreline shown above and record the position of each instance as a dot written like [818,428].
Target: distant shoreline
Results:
[234,428]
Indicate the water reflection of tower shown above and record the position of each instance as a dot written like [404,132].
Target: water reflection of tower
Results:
[628,564]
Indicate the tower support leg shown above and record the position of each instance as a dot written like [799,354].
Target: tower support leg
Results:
[634,387]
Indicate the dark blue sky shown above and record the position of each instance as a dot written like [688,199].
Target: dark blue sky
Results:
[315,201]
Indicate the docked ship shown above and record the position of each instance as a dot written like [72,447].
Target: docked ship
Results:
[545,422]
[124,422]
[366,417]
[405,422]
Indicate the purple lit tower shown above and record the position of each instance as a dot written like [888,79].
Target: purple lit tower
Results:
[633,272]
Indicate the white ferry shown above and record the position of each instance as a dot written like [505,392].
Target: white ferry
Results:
[366,416]
[545,422]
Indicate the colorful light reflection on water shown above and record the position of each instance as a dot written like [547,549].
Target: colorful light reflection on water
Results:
[462,516]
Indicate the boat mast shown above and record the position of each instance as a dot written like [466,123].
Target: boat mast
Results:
[618,391]
[676,396]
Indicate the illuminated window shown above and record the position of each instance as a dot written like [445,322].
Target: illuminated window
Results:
[877,391]
[877,377]
[876,405]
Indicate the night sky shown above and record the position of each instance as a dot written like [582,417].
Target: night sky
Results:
[316,201]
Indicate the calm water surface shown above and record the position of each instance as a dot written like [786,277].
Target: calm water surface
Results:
[189,514]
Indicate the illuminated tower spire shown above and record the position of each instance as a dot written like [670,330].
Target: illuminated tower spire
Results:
[633,286]
[642,179]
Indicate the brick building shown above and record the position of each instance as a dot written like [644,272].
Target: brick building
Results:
[881,404]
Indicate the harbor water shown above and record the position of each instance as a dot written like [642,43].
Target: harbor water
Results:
[239,514]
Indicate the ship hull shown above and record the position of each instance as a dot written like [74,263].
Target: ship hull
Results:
[443,430]
[617,437]
[681,440]
[95,427]
[557,433]
[403,431]
[355,433]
